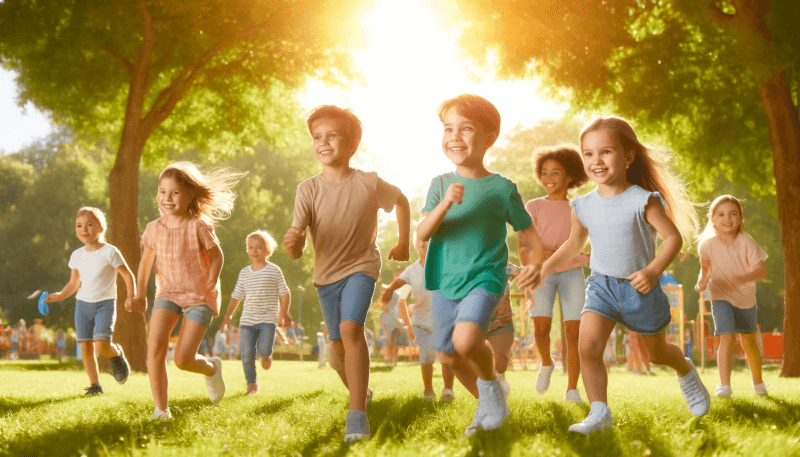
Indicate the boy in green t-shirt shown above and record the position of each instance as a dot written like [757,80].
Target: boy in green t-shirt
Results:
[465,218]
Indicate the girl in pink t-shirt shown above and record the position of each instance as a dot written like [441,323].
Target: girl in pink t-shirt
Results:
[558,169]
[188,262]
[731,264]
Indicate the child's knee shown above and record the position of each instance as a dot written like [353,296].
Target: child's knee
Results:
[590,348]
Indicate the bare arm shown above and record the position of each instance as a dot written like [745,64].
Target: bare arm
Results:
[705,274]
[226,321]
[758,273]
[403,213]
[644,280]
[402,308]
[431,221]
[71,287]
[139,302]
[284,317]
[531,256]
[130,285]
[386,296]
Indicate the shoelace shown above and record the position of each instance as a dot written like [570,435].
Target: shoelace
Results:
[692,390]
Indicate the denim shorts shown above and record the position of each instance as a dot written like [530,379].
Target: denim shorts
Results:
[95,321]
[200,314]
[427,352]
[616,299]
[571,288]
[347,299]
[476,307]
[729,319]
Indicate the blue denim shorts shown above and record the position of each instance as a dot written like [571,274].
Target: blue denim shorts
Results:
[201,314]
[729,319]
[476,307]
[347,299]
[616,299]
[95,321]
[427,352]
[571,288]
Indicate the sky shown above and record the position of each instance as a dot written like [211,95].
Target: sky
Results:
[406,76]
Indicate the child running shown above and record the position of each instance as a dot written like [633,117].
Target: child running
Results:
[465,218]
[731,264]
[636,199]
[414,276]
[558,169]
[266,304]
[188,262]
[95,267]
[340,207]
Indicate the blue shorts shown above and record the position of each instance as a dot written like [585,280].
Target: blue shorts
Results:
[347,299]
[95,321]
[200,314]
[729,319]
[476,307]
[616,299]
[427,352]
[571,288]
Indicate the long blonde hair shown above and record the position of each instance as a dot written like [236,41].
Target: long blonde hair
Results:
[649,171]
[710,231]
[211,193]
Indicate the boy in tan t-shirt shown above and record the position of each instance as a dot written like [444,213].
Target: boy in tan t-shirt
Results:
[340,207]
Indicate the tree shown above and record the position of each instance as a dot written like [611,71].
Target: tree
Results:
[157,75]
[718,82]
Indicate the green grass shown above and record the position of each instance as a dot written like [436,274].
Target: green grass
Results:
[301,409]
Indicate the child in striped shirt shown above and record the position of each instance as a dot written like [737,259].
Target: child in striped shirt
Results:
[266,304]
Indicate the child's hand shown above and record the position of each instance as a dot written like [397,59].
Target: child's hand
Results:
[411,336]
[226,322]
[293,237]
[455,194]
[643,280]
[399,252]
[53,297]
[736,281]
[139,304]
[701,285]
[129,304]
[284,320]
[386,295]
[529,276]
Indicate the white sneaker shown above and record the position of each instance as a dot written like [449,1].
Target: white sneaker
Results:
[543,379]
[215,383]
[428,397]
[164,415]
[493,402]
[760,389]
[506,388]
[723,391]
[356,426]
[574,396]
[448,395]
[694,392]
[599,418]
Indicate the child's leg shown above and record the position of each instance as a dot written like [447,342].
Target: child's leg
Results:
[104,348]
[572,295]
[635,355]
[470,343]
[248,335]
[427,355]
[186,356]
[461,369]
[427,378]
[162,321]
[266,343]
[594,332]
[753,355]
[663,353]
[541,333]
[572,329]
[500,343]
[447,376]
[356,363]
[725,358]
[90,362]
[644,356]
[337,360]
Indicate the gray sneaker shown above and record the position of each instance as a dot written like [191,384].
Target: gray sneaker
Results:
[356,426]
[599,418]
[493,402]
[119,366]
[694,392]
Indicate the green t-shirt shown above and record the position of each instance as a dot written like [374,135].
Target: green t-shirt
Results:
[469,248]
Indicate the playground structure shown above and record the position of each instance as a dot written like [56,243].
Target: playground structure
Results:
[32,344]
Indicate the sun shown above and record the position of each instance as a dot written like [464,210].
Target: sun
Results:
[410,64]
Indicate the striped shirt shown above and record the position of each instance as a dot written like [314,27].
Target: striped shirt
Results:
[261,291]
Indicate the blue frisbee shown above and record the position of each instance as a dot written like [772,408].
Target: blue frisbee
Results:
[43,307]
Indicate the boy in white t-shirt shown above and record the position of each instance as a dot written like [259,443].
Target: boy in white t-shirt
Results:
[414,276]
[94,272]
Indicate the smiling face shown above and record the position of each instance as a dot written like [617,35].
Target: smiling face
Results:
[465,141]
[331,145]
[554,178]
[727,218]
[173,200]
[605,159]
[257,250]
[88,229]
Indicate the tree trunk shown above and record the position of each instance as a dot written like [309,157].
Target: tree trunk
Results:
[784,127]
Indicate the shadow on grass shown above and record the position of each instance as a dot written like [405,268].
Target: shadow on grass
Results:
[42,366]
[278,404]
[381,369]
[10,405]
[775,411]
[78,440]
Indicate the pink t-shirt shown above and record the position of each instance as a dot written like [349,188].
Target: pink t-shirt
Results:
[553,222]
[183,263]
[737,258]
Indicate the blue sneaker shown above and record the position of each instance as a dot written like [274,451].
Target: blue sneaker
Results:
[356,426]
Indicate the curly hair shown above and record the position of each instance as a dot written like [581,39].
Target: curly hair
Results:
[568,156]
[269,241]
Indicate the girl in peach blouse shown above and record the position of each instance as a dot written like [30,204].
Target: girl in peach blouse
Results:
[188,263]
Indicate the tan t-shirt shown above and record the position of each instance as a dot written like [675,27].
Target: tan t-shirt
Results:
[343,220]
[737,258]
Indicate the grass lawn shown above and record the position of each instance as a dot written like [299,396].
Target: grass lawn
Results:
[301,410]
